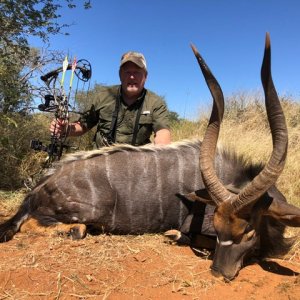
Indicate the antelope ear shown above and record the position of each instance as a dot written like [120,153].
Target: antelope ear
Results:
[201,196]
[282,211]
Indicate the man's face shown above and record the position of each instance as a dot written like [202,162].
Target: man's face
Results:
[133,79]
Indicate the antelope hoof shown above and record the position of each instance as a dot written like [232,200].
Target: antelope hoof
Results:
[7,236]
[177,236]
[78,232]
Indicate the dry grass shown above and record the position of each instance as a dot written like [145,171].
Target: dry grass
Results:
[10,201]
[245,130]
[136,267]
[250,136]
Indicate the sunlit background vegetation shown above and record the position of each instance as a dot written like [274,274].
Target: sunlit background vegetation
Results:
[244,129]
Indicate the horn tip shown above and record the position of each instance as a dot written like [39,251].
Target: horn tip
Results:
[194,49]
[268,40]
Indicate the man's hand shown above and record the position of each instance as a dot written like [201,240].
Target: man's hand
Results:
[58,127]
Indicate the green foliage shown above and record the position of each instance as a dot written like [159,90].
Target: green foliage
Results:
[23,18]
[13,90]
[174,117]
[20,19]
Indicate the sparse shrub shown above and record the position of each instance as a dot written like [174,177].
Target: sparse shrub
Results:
[185,129]
[245,129]
[18,162]
[16,131]
[248,133]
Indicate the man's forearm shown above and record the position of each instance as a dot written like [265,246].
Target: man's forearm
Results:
[162,137]
[76,129]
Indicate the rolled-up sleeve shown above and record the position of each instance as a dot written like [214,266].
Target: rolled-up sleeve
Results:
[90,118]
[160,115]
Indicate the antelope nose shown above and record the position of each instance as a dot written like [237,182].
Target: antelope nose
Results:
[215,272]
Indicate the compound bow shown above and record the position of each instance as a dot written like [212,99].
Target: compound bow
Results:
[58,102]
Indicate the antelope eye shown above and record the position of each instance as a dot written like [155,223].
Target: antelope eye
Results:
[248,228]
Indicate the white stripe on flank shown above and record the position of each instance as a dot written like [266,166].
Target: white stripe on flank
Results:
[108,175]
[107,169]
[73,175]
[180,172]
[129,185]
[198,177]
[158,184]
[92,188]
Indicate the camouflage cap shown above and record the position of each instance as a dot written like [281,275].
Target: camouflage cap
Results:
[135,57]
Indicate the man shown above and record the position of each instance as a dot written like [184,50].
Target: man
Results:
[127,113]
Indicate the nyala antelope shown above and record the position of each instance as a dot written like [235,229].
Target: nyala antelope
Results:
[219,202]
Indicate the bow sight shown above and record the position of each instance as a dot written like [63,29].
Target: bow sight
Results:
[57,101]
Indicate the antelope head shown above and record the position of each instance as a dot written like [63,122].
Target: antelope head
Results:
[239,212]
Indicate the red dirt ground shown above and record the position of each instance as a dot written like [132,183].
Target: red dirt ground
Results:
[131,267]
